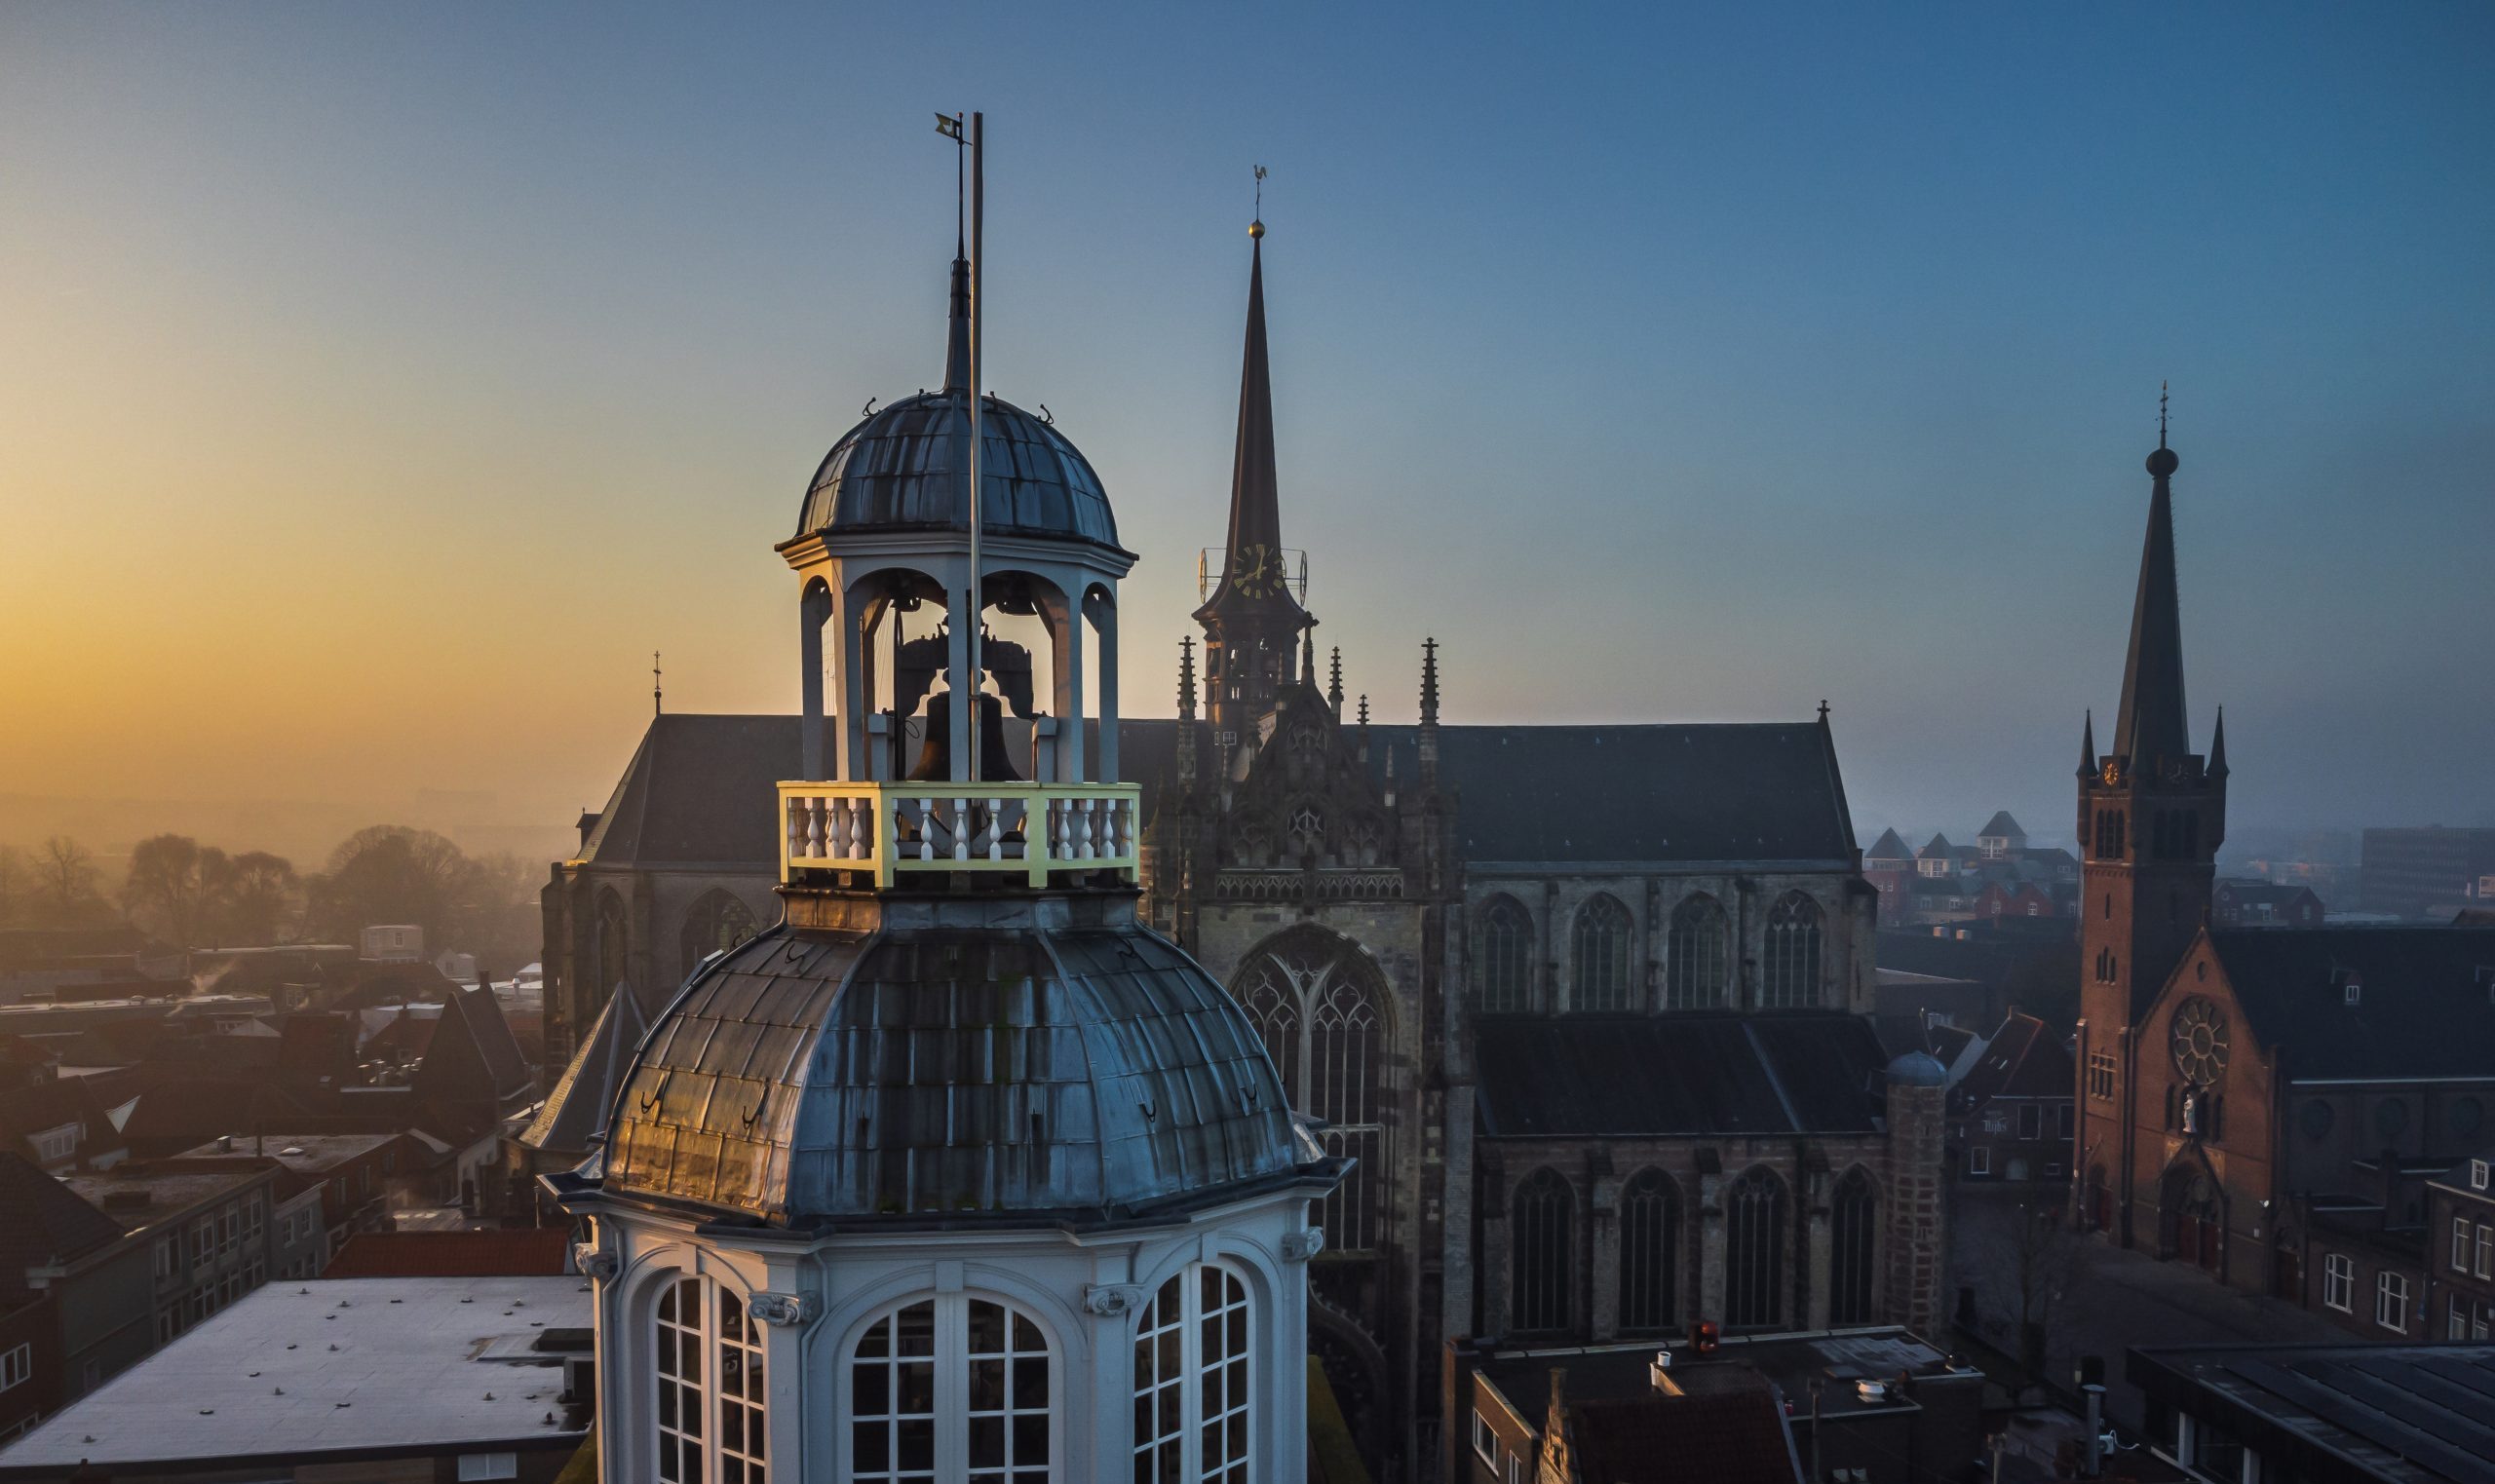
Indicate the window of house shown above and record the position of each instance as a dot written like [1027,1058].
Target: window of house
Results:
[2100,1074]
[1601,982]
[2339,1281]
[2456,1320]
[1486,1441]
[1506,957]
[255,1221]
[1693,955]
[15,1366]
[709,1416]
[2391,1300]
[953,1387]
[164,1257]
[1789,979]
[1979,1159]
[57,1144]
[488,1465]
[1192,1389]
[2031,1122]
[2485,1252]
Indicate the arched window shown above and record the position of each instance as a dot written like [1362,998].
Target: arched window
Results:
[610,948]
[1792,973]
[718,922]
[1693,955]
[710,1377]
[1506,957]
[1193,1419]
[1853,1217]
[1602,960]
[1321,1007]
[1539,1228]
[1754,1251]
[954,1386]
[1649,1252]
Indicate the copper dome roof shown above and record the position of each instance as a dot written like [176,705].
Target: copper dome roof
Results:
[906,468]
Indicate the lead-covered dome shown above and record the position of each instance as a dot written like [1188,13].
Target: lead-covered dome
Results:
[906,465]
[955,1069]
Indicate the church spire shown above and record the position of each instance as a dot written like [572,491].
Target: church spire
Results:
[1252,571]
[2150,725]
[957,332]
[2218,747]
[2088,746]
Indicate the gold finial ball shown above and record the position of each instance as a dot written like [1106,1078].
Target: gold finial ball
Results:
[1256,228]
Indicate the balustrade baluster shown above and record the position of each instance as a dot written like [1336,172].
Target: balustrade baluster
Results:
[996,829]
[926,828]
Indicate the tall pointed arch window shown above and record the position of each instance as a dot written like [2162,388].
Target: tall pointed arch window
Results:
[1601,962]
[1754,1250]
[1791,976]
[1505,961]
[709,1414]
[1693,955]
[717,922]
[1649,1252]
[1854,1216]
[1194,1419]
[1321,1007]
[952,1387]
[610,947]
[1540,1230]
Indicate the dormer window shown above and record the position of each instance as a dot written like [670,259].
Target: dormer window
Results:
[2478,1174]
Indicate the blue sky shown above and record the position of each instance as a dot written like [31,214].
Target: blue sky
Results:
[393,379]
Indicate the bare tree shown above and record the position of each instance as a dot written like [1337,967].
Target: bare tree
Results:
[2045,1259]
[14,880]
[66,874]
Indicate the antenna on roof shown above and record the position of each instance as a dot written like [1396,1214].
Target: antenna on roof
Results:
[658,696]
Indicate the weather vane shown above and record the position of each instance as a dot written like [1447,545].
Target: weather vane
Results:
[2161,414]
[656,695]
[1256,227]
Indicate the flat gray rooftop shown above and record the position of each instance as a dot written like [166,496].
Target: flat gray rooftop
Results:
[297,1370]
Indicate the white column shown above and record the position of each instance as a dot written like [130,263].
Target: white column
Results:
[1067,641]
[1103,613]
[812,609]
[850,664]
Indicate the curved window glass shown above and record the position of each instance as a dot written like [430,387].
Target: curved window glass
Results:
[1789,978]
[1854,1239]
[1507,957]
[1693,955]
[1754,1251]
[1602,960]
[709,1386]
[1541,1233]
[954,1386]
[1193,1422]
[1649,1251]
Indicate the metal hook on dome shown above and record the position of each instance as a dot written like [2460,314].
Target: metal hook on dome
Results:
[1149,1113]
[1046,416]
[869,409]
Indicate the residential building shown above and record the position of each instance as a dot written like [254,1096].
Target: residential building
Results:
[2459,1295]
[2321,1413]
[204,1224]
[2424,875]
[74,1289]
[2012,1116]
[2241,903]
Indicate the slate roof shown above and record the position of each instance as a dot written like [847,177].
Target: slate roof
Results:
[1939,845]
[42,1222]
[2414,1414]
[2000,825]
[25,1111]
[1714,1074]
[702,790]
[577,1109]
[2023,1059]
[2423,1010]
[1888,847]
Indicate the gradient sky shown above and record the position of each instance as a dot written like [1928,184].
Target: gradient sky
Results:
[379,385]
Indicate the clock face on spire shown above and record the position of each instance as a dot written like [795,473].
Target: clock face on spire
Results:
[1256,570]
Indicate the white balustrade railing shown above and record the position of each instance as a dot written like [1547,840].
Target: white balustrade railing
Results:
[895,829]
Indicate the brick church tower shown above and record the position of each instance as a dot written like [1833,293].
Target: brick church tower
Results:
[2152,814]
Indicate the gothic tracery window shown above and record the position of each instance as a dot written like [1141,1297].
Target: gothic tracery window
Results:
[709,1420]
[1539,1228]
[1790,976]
[1193,1417]
[1649,1252]
[953,1387]
[1506,963]
[1693,955]
[1601,979]
[1321,1008]
[1754,1250]
[611,946]
[1854,1225]
[718,922]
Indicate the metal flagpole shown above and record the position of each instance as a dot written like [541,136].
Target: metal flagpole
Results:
[969,768]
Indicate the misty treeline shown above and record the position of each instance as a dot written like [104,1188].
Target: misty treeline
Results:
[195,896]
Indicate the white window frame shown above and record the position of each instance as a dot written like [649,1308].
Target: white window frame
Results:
[1193,1376]
[1485,1439]
[17,1365]
[2456,1320]
[2391,1300]
[2485,1251]
[1979,1158]
[2478,1174]
[2031,1121]
[951,1389]
[2464,1233]
[711,1344]
[2339,1282]
[488,1465]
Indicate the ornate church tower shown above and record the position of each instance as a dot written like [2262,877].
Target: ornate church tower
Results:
[2152,814]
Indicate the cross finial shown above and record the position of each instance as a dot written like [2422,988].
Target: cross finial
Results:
[1823,711]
